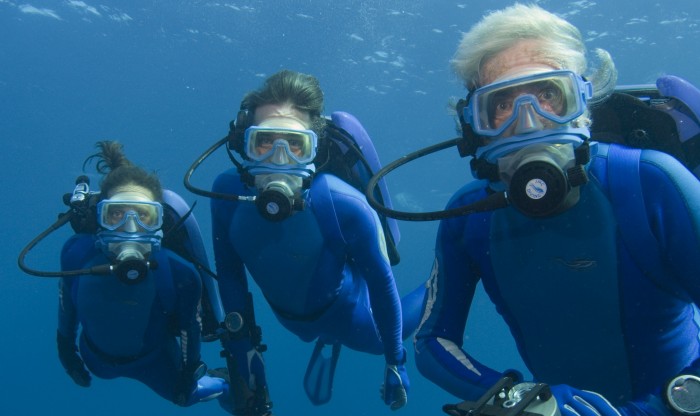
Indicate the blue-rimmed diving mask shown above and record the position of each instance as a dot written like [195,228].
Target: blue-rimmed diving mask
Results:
[526,104]
[280,146]
[130,216]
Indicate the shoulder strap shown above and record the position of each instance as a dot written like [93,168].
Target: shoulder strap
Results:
[685,109]
[165,287]
[324,209]
[185,239]
[628,203]
[356,163]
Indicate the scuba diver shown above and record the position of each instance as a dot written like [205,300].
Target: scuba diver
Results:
[129,295]
[309,240]
[588,250]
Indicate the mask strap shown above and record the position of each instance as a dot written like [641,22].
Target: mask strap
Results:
[484,169]
[583,153]
[237,130]
[470,141]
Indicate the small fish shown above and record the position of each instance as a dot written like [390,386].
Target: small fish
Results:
[577,264]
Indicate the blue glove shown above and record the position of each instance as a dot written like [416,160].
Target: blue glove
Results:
[194,386]
[71,361]
[209,388]
[574,402]
[394,391]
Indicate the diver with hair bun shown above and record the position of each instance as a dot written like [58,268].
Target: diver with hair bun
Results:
[138,319]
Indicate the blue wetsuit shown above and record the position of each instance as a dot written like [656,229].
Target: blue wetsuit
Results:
[324,270]
[579,307]
[131,330]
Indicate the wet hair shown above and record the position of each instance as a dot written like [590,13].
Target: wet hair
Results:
[119,171]
[561,46]
[303,91]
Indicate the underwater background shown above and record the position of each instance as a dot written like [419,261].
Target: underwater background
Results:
[166,77]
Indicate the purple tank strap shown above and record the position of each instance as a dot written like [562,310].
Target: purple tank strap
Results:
[352,125]
[688,94]
[199,252]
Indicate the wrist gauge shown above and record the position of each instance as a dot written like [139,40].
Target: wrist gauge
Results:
[682,395]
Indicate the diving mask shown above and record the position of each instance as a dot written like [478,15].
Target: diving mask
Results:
[529,103]
[130,216]
[280,146]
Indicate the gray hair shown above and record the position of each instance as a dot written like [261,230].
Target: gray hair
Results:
[562,46]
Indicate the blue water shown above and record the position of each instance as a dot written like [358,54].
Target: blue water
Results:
[166,77]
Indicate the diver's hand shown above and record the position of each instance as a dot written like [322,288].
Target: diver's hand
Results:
[394,391]
[395,388]
[71,361]
[574,402]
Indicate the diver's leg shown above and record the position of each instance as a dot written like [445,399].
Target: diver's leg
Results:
[411,308]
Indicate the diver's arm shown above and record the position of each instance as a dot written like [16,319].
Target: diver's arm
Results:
[76,252]
[67,315]
[243,351]
[361,230]
[188,291]
[672,198]
[672,202]
[232,280]
[76,249]
[439,354]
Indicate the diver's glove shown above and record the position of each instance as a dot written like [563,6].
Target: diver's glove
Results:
[71,361]
[247,382]
[394,391]
[575,402]
[209,388]
[186,383]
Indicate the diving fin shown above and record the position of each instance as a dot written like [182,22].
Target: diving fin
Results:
[318,380]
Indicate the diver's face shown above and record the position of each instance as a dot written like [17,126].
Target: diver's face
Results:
[284,116]
[522,58]
[129,216]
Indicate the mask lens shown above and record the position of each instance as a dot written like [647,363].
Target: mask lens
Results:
[145,216]
[557,96]
[262,143]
